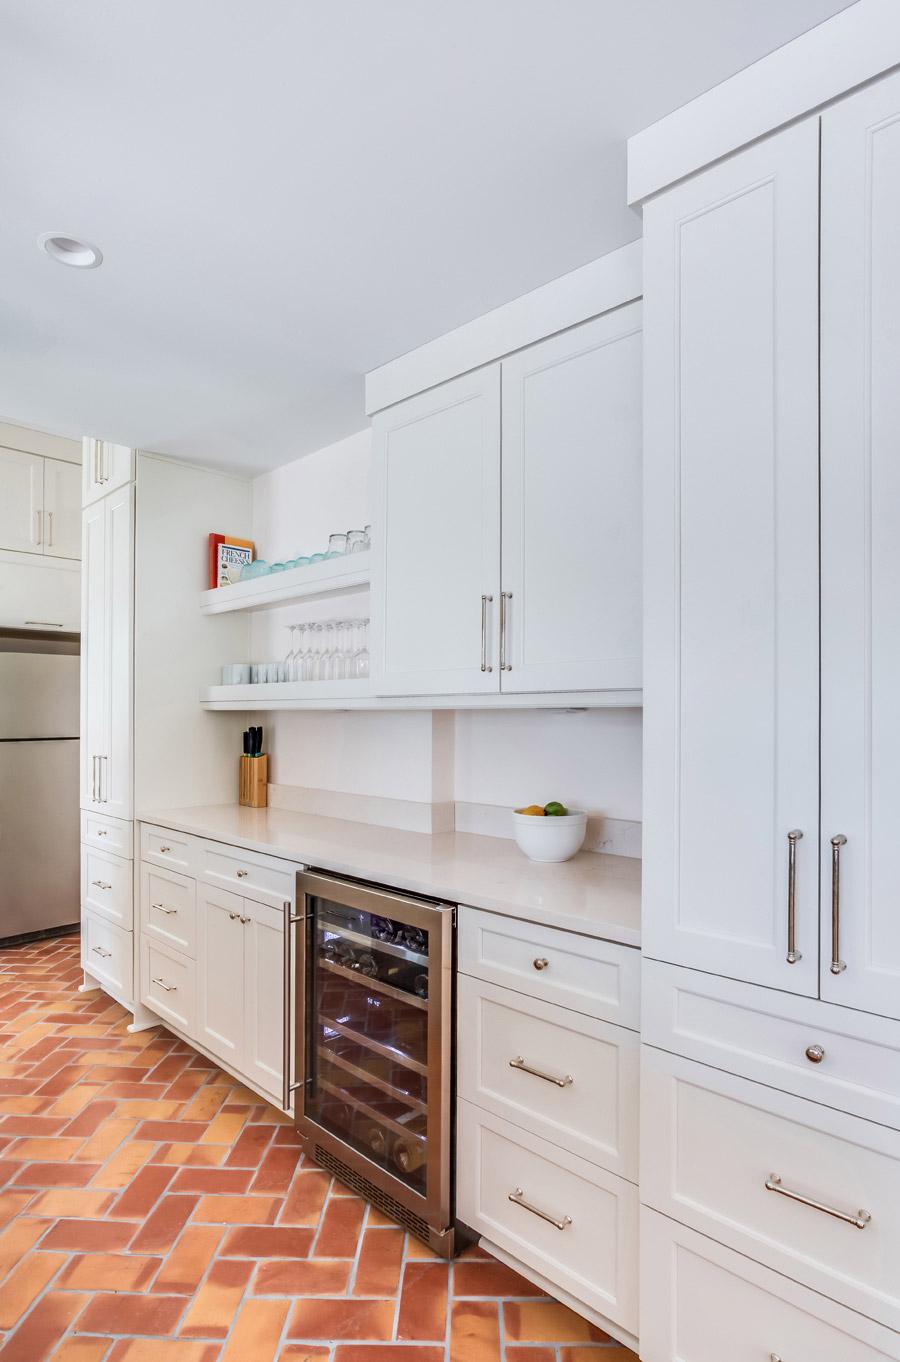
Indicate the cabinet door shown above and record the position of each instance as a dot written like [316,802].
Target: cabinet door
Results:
[116,783]
[731,572]
[220,969]
[571,567]
[21,501]
[861,548]
[264,996]
[105,467]
[436,585]
[62,509]
[94,670]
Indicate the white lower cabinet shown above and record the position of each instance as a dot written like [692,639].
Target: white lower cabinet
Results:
[107,955]
[701,1302]
[808,1191]
[106,886]
[213,959]
[567,1219]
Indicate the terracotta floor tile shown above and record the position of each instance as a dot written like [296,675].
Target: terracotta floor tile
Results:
[88,1235]
[514,1354]
[276,1170]
[220,1180]
[257,1332]
[118,1171]
[149,1108]
[42,1328]
[163,1226]
[614,1353]
[184,1132]
[384,1352]
[182,1271]
[25,1283]
[82,1202]
[206,1103]
[120,1313]
[268,1241]
[341,1224]
[423,1301]
[380,1259]
[547,1321]
[32,1125]
[161,1350]
[142,1193]
[415,1249]
[304,1202]
[490,1278]
[250,1144]
[238,1210]
[106,1139]
[306,1352]
[56,1175]
[109,1272]
[341,1318]
[215,1305]
[13,1204]
[18,1238]
[44,1149]
[90,1118]
[222,1129]
[475,1331]
[303,1277]
[195,1155]
[82,1348]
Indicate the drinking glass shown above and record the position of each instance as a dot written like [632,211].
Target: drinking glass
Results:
[290,660]
[361,653]
[337,545]
[344,649]
[317,651]
[356,541]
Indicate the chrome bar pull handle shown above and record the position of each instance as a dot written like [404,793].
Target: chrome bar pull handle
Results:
[519,1063]
[98,950]
[36,537]
[161,908]
[485,665]
[837,964]
[49,529]
[287,1087]
[101,884]
[505,598]
[858,1221]
[167,988]
[793,955]
[518,1199]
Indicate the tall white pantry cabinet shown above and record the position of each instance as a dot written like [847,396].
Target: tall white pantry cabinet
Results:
[770,1116]
[145,652]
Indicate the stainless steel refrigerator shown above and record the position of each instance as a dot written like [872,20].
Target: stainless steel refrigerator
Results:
[39,792]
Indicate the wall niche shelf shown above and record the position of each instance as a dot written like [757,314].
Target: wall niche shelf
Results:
[357,694]
[342,576]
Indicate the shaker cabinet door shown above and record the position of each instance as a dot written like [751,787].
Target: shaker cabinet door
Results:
[116,782]
[94,658]
[220,969]
[731,571]
[436,580]
[21,501]
[571,467]
[860,949]
[62,509]
[264,996]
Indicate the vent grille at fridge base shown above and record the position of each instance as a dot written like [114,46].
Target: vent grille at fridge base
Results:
[382,1200]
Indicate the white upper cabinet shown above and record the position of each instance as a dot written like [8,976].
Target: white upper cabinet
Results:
[61,526]
[861,549]
[21,500]
[436,578]
[571,465]
[731,583]
[105,467]
[107,643]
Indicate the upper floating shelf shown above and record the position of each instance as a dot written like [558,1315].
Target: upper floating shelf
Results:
[334,577]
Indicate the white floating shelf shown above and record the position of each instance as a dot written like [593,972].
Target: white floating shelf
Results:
[358,695]
[343,576]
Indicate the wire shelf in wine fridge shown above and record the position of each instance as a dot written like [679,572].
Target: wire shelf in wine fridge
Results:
[373,985]
[373,943]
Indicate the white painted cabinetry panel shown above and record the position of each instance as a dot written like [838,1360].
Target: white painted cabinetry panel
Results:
[105,467]
[571,562]
[21,500]
[861,547]
[169,908]
[722,1155]
[731,564]
[264,996]
[61,528]
[437,544]
[107,886]
[107,954]
[571,1079]
[704,1303]
[220,962]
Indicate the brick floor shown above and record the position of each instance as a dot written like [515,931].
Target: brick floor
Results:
[152,1209]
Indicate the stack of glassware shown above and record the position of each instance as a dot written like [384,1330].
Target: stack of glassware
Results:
[347,541]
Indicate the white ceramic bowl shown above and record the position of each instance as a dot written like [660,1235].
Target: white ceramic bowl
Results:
[550,838]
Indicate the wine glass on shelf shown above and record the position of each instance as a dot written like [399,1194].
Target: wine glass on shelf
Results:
[290,660]
[361,651]
[316,653]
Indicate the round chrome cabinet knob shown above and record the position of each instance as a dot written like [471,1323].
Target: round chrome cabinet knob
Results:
[815,1054]
[540,963]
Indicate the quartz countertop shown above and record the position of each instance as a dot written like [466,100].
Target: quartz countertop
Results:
[593,893]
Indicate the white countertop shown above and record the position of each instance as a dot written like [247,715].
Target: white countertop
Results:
[598,895]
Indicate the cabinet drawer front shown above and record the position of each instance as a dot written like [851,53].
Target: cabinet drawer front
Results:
[710,1144]
[599,978]
[176,850]
[263,878]
[107,886]
[694,1291]
[106,954]
[853,1061]
[584,1095]
[594,1257]
[168,984]
[169,908]
[109,834]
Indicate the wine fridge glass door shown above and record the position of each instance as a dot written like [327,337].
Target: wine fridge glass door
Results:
[368,1035]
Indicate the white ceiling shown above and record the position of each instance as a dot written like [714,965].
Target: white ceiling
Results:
[291,192]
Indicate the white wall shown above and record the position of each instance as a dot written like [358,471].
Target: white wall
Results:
[590,760]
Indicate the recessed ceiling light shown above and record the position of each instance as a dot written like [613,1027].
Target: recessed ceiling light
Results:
[68,250]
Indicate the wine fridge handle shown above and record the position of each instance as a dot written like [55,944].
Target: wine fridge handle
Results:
[290,921]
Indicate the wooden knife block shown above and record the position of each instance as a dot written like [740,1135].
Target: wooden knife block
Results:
[253,787]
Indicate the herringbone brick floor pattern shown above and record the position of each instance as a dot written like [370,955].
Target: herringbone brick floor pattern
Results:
[154,1210]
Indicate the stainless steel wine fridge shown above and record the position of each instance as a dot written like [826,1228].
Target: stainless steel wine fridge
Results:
[371,1088]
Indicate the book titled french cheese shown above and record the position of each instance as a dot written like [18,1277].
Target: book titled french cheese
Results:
[227,554]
